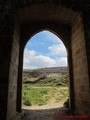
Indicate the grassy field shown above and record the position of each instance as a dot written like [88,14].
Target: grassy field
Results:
[33,95]
[44,90]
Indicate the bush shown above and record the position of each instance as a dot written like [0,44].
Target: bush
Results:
[27,102]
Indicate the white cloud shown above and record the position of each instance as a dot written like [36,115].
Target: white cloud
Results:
[44,61]
[28,57]
[62,61]
[33,60]
[59,50]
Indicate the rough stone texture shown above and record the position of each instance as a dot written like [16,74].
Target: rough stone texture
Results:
[17,116]
[5,54]
[80,70]
[70,21]
[13,77]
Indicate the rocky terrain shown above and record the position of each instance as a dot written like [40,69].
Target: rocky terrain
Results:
[44,72]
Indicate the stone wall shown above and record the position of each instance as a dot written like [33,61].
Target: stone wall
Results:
[13,77]
[80,69]
[5,55]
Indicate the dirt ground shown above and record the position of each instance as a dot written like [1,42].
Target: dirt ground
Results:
[44,107]
[46,112]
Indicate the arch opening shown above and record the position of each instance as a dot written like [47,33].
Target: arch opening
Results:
[45,72]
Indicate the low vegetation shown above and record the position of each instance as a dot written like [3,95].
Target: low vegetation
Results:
[48,81]
[41,92]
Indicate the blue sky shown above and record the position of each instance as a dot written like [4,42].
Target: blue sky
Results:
[44,49]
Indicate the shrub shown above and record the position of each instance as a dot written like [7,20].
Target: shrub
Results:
[27,102]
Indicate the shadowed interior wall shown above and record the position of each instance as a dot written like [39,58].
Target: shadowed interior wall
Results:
[6,39]
[13,77]
[80,67]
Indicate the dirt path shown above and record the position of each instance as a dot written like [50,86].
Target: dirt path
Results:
[48,106]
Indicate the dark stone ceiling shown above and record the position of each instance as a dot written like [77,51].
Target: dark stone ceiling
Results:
[8,8]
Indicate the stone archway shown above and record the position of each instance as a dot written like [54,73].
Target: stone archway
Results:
[60,25]
[51,69]
[72,27]
[69,56]
[68,28]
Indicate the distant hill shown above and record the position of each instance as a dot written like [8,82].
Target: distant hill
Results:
[45,71]
[53,76]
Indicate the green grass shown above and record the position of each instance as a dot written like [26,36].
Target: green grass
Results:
[32,95]
[42,91]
